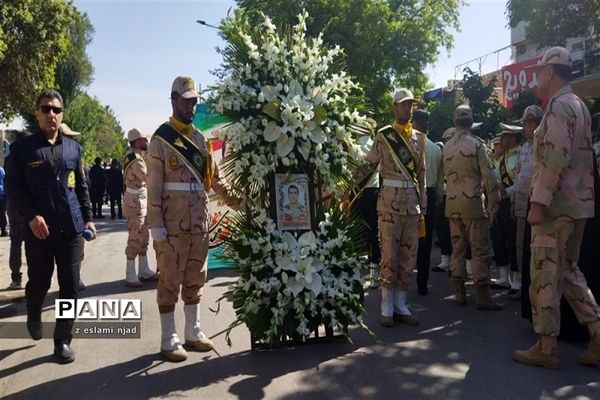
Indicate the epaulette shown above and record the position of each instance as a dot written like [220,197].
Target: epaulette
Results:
[476,137]
[385,129]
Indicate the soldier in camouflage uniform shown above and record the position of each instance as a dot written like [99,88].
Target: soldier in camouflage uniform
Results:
[178,219]
[402,200]
[562,197]
[532,116]
[469,171]
[504,240]
[135,201]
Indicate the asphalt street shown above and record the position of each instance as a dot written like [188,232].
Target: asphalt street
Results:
[456,352]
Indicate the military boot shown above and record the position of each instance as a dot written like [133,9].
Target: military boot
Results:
[460,293]
[482,298]
[592,354]
[195,339]
[386,318]
[170,347]
[541,354]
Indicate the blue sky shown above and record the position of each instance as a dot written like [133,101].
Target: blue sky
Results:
[139,47]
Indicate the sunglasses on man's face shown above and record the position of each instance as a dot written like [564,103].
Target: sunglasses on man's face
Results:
[47,109]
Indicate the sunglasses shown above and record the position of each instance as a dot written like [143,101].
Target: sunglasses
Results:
[47,109]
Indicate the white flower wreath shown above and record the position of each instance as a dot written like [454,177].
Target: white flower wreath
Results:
[293,107]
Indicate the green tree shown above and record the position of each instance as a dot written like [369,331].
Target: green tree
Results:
[75,71]
[524,100]
[484,103]
[441,117]
[101,133]
[551,22]
[387,43]
[34,37]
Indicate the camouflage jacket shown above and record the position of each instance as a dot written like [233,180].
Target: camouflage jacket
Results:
[470,176]
[178,210]
[402,201]
[563,178]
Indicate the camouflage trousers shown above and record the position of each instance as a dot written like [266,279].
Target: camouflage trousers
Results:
[475,234]
[137,241]
[399,240]
[182,260]
[555,247]
[520,242]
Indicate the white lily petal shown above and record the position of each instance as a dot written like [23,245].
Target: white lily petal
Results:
[307,239]
[317,284]
[304,149]
[317,135]
[272,132]
[290,240]
[285,145]
[295,285]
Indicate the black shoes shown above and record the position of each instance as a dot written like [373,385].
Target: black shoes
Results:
[63,353]
[35,329]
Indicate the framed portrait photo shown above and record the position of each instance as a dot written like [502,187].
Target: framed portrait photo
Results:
[293,206]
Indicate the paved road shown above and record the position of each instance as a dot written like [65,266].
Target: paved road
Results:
[456,353]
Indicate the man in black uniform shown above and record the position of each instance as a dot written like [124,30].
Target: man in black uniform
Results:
[46,183]
[115,189]
[97,187]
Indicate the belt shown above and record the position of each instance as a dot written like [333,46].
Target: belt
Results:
[184,186]
[398,183]
[135,191]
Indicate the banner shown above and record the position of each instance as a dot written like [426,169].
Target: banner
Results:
[209,122]
[516,80]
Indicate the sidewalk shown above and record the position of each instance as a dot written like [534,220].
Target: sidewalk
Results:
[456,353]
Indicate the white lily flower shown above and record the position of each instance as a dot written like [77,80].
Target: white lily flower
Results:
[304,149]
[285,145]
[272,132]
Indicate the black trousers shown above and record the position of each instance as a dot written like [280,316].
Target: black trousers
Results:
[570,328]
[504,236]
[3,220]
[525,275]
[366,208]
[442,227]
[16,244]
[41,256]
[97,200]
[424,251]
[116,201]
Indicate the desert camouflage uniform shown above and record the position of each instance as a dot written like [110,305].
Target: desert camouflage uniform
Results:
[504,226]
[563,182]
[135,204]
[182,258]
[520,195]
[399,210]
[469,171]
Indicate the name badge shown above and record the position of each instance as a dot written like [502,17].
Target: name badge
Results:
[71,180]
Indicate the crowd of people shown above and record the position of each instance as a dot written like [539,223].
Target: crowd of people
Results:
[524,200]
[528,200]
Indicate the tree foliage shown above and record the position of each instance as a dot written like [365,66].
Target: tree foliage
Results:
[101,134]
[387,43]
[524,100]
[484,102]
[34,37]
[74,71]
[441,117]
[551,22]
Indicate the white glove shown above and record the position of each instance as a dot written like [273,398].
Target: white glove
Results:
[158,234]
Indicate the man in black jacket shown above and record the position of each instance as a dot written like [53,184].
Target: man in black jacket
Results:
[45,181]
